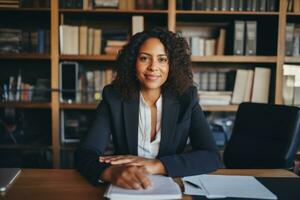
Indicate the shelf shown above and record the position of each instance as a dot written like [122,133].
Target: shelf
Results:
[89,57]
[202,12]
[229,108]
[292,14]
[24,56]
[37,105]
[234,59]
[25,9]
[87,106]
[24,146]
[113,11]
[292,60]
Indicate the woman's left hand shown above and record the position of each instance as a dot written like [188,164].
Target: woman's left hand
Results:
[152,166]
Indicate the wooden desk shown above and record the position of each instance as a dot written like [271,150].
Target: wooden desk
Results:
[69,184]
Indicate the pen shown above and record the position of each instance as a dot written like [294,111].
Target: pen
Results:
[193,184]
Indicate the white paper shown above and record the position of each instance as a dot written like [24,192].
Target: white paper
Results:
[218,186]
[162,188]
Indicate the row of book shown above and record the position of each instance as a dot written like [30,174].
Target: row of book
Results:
[80,84]
[15,89]
[292,40]
[24,41]
[115,4]
[214,80]
[293,6]
[228,5]
[249,86]
[245,38]
[291,85]
[84,40]
[24,3]
[80,40]
[204,40]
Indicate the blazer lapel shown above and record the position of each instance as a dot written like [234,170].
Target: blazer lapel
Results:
[169,119]
[131,117]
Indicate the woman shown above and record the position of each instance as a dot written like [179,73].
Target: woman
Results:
[151,110]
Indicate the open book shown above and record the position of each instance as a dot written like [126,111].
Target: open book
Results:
[162,188]
[222,186]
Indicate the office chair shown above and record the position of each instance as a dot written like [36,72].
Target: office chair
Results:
[264,136]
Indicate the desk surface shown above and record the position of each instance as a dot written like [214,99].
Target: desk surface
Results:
[69,184]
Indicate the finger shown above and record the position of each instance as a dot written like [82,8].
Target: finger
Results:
[122,161]
[123,183]
[131,179]
[143,178]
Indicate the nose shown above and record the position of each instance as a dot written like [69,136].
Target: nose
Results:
[153,65]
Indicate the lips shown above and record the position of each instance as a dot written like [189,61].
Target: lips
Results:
[151,77]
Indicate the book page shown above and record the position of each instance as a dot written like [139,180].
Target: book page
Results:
[162,188]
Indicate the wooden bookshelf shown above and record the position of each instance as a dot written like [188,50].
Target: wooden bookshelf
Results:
[225,108]
[235,59]
[198,12]
[85,106]
[173,16]
[113,11]
[88,57]
[25,10]
[295,60]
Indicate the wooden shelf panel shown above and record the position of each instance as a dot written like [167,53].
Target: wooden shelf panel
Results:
[36,105]
[89,57]
[25,147]
[202,12]
[86,106]
[229,108]
[24,56]
[292,14]
[26,9]
[292,60]
[234,59]
[113,11]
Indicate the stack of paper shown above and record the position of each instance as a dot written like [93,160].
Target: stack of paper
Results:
[162,188]
[222,186]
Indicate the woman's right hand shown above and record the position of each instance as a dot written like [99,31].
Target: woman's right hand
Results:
[127,176]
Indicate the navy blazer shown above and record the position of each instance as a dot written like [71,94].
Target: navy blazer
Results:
[182,118]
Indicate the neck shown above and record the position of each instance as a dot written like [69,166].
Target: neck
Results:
[151,96]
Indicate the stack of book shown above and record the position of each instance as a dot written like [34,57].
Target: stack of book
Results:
[204,40]
[9,3]
[251,86]
[228,5]
[80,40]
[245,37]
[24,41]
[291,85]
[292,40]
[91,83]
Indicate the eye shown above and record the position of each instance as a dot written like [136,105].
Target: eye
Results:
[143,58]
[162,60]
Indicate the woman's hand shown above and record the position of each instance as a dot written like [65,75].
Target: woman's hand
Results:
[126,176]
[152,166]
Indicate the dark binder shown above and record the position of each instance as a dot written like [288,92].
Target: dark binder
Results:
[251,35]
[239,30]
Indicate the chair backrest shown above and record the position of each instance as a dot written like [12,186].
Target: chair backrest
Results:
[264,136]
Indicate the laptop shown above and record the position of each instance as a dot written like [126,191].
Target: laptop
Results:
[7,176]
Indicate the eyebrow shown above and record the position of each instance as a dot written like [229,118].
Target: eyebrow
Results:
[151,55]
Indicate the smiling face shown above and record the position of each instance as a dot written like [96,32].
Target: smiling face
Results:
[152,65]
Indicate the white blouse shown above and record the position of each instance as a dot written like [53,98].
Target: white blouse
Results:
[146,148]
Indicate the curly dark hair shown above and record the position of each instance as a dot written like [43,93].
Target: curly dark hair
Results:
[180,76]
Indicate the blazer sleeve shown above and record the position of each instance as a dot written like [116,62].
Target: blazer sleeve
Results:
[204,157]
[94,145]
